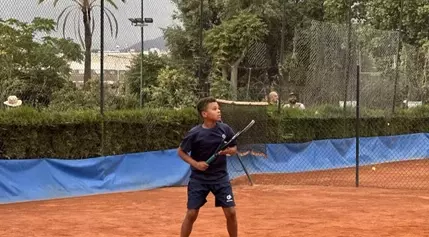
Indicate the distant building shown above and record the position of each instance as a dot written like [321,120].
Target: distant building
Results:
[116,63]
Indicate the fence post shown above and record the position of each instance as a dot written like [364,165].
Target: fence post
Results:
[357,121]
[398,57]
[282,49]
[102,75]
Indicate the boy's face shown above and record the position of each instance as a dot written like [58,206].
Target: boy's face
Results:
[212,112]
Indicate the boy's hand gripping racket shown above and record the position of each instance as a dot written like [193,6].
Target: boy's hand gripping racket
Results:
[224,144]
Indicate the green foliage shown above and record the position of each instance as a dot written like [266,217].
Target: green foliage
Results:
[176,89]
[84,9]
[147,129]
[152,65]
[229,41]
[28,133]
[337,10]
[229,48]
[28,116]
[183,41]
[165,82]
[220,88]
[385,14]
[33,69]
[72,98]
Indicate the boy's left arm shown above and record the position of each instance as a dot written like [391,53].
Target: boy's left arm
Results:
[229,151]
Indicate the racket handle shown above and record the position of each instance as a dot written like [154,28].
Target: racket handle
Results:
[210,160]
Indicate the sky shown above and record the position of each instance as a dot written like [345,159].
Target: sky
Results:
[160,10]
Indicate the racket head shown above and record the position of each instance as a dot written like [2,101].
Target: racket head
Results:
[240,132]
[243,130]
[248,126]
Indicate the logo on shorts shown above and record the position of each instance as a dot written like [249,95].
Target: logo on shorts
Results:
[229,198]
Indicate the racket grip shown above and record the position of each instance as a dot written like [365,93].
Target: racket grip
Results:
[210,160]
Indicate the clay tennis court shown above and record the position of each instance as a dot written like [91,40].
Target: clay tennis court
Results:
[263,210]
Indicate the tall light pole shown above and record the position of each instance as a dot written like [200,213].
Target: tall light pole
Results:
[200,66]
[141,22]
[102,75]
[141,54]
[102,58]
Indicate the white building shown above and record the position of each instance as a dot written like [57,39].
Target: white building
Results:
[116,63]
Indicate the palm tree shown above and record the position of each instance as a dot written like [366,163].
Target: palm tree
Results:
[84,9]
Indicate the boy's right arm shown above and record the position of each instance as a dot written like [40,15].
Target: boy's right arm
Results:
[188,159]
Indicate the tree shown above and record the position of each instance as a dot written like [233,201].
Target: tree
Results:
[337,10]
[183,40]
[229,42]
[33,68]
[72,98]
[386,15]
[84,9]
[176,89]
[152,64]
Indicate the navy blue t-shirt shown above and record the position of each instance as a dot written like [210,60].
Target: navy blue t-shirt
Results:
[201,143]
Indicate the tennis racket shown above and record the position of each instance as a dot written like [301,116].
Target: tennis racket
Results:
[224,144]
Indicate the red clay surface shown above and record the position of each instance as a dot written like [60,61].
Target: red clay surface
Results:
[403,175]
[263,210]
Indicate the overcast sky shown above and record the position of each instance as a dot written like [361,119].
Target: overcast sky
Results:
[160,10]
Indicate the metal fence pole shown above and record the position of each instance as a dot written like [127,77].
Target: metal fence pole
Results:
[398,57]
[357,121]
[102,75]
[142,52]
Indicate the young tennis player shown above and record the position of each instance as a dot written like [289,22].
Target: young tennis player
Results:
[201,142]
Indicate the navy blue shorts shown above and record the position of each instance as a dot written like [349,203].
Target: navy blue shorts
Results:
[197,194]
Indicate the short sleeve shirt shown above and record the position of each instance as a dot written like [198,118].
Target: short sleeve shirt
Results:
[201,143]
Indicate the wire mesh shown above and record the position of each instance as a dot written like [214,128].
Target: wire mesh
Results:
[310,87]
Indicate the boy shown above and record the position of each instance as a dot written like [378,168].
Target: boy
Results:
[202,141]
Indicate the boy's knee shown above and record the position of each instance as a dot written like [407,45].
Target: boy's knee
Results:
[192,215]
[230,213]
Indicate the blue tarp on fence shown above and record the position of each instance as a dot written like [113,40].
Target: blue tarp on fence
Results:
[331,154]
[22,180]
[36,179]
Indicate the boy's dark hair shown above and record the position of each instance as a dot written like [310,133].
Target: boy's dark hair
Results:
[202,103]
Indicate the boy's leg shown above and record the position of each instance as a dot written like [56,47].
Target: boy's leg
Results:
[188,222]
[231,221]
[225,199]
[197,194]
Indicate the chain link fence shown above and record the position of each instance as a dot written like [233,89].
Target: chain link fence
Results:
[317,145]
[51,60]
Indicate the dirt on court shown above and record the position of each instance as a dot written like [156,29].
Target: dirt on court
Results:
[269,211]
[263,210]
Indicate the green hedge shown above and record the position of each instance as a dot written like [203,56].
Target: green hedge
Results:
[27,133]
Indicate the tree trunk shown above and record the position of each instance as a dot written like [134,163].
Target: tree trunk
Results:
[234,80]
[234,75]
[425,69]
[225,73]
[88,42]
[273,50]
